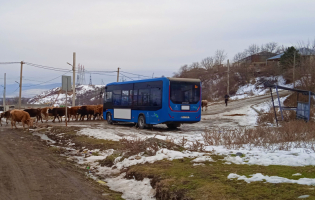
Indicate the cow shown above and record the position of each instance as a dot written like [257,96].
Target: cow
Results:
[57,112]
[21,116]
[98,111]
[86,110]
[5,115]
[73,111]
[204,103]
[35,112]
[44,112]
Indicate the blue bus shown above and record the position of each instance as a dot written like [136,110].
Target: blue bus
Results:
[170,101]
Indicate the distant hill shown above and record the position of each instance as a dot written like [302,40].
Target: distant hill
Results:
[28,90]
[85,95]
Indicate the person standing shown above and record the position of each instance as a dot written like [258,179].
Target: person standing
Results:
[226,97]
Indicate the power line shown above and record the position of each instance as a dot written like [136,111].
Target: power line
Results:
[126,76]
[5,63]
[47,67]
[47,81]
[135,74]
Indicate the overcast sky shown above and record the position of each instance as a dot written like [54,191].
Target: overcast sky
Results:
[141,36]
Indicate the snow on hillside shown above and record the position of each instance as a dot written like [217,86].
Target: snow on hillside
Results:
[257,88]
[56,97]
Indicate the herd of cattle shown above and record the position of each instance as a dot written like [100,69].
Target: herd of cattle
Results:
[76,113]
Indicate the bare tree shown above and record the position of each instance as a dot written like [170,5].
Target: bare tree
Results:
[253,49]
[194,65]
[220,56]
[239,56]
[270,47]
[207,63]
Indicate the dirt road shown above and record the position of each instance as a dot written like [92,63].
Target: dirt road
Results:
[29,170]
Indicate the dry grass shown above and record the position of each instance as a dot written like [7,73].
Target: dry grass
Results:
[296,134]
[149,146]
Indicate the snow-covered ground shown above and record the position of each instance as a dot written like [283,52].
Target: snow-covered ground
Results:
[258,89]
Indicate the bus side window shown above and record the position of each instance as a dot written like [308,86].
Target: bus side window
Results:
[130,97]
[108,97]
[125,98]
[144,97]
[135,97]
[156,97]
[117,97]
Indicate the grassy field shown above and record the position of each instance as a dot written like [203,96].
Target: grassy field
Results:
[181,179]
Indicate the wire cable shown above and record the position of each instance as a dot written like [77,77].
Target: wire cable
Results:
[135,74]
[5,63]
[47,81]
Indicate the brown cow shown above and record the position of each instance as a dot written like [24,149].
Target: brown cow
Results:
[98,111]
[73,111]
[6,115]
[204,103]
[21,116]
[86,110]
[44,112]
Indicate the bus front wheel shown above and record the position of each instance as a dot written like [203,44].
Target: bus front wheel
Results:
[141,122]
[109,118]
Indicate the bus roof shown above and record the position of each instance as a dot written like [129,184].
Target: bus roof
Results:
[156,79]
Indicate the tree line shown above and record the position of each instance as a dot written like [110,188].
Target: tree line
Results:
[212,70]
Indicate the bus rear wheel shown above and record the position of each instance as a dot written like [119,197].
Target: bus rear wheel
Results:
[109,118]
[173,126]
[141,122]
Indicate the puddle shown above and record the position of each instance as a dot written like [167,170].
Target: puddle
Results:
[44,137]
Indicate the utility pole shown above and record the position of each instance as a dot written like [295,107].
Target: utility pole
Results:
[228,78]
[73,84]
[118,74]
[20,96]
[4,92]
[294,70]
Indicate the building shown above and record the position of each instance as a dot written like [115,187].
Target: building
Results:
[258,59]
[304,52]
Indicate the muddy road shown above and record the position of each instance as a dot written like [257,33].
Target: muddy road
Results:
[30,170]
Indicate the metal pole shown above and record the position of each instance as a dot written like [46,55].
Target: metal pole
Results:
[73,83]
[4,92]
[294,70]
[279,103]
[20,96]
[118,74]
[228,78]
[274,109]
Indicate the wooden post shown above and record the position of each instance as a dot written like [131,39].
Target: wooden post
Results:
[66,117]
[20,95]
[228,78]
[118,74]
[73,82]
[4,88]
[294,70]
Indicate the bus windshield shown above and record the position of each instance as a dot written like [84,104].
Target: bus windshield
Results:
[185,92]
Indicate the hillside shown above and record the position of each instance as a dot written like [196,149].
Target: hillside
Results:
[85,95]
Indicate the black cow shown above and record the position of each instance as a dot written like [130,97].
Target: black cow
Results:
[5,115]
[35,112]
[86,110]
[57,112]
